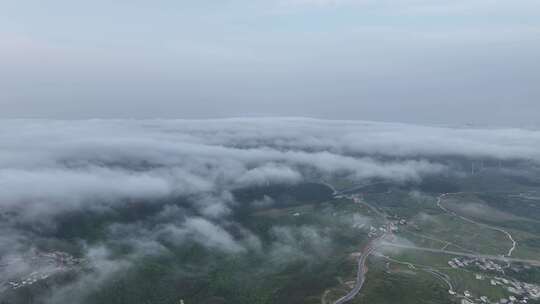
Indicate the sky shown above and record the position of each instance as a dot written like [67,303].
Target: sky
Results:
[419,61]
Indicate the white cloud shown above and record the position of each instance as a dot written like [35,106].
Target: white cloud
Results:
[269,174]
[51,167]
[48,168]
[204,232]
[55,166]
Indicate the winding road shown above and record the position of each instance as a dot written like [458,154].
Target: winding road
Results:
[465,254]
[361,262]
[370,248]
[360,277]
[362,269]
[372,245]
[514,243]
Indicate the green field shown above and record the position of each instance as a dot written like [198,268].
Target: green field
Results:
[303,247]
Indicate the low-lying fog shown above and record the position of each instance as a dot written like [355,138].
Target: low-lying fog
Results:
[52,168]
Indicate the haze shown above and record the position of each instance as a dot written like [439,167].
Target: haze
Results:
[452,62]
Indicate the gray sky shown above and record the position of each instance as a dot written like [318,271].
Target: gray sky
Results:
[422,61]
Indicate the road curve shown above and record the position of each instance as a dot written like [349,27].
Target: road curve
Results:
[360,279]
[361,271]
[514,243]
[472,255]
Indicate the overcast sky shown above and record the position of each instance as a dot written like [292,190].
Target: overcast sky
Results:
[453,61]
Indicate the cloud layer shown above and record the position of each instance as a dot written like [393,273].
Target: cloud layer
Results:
[52,168]
[60,165]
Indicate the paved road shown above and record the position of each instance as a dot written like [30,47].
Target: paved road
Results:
[361,262]
[514,243]
[360,278]
[471,255]
[334,191]
[354,189]
[442,277]
[362,270]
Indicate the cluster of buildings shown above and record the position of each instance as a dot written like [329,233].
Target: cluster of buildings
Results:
[481,263]
[373,232]
[356,198]
[520,292]
[391,227]
[28,280]
[520,289]
[45,264]
[486,300]
[59,258]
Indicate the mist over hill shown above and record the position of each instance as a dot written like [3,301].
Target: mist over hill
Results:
[113,192]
